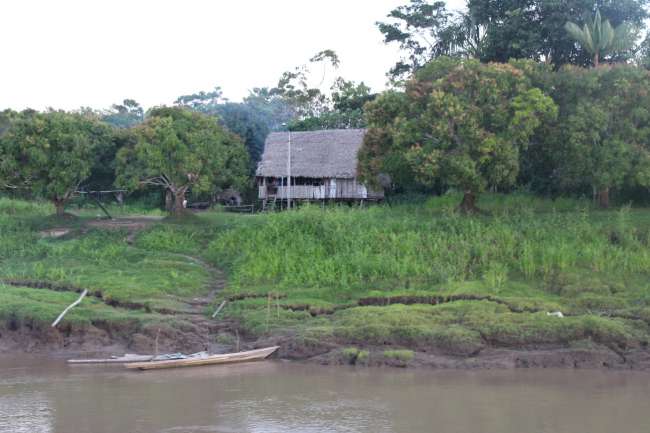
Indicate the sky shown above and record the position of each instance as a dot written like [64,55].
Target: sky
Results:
[67,54]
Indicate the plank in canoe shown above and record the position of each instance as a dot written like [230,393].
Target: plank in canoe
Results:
[113,360]
[226,358]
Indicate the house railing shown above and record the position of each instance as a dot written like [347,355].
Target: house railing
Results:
[305,192]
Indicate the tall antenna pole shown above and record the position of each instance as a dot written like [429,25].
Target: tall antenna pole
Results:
[289,172]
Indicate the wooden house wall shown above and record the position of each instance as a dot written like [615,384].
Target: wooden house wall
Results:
[331,189]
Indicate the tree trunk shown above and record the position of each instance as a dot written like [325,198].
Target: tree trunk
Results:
[468,205]
[169,200]
[603,198]
[596,60]
[179,199]
[59,204]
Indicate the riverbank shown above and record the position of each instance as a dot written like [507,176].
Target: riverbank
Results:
[407,285]
[70,342]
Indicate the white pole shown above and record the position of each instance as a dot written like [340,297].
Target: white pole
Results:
[289,173]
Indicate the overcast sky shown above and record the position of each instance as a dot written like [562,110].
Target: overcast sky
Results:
[72,53]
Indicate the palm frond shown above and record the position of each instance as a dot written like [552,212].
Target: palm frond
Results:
[581,35]
[605,37]
[598,36]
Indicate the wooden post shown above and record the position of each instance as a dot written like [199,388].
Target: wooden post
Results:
[58,319]
[223,304]
[268,310]
[219,309]
[156,343]
[289,173]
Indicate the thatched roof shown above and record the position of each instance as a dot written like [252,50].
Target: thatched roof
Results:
[330,153]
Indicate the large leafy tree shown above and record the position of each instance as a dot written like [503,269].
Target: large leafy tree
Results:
[599,38]
[603,141]
[465,125]
[52,153]
[178,150]
[243,119]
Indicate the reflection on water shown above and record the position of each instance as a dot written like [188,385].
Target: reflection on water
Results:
[38,395]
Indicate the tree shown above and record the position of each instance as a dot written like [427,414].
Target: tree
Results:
[102,174]
[202,101]
[380,161]
[243,119]
[294,87]
[248,124]
[51,153]
[599,38]
[604,139]
[178,150]
[348,100]
[497,31]
[125,115]
[292,104]
[465,125]
[535,29]
[426,30]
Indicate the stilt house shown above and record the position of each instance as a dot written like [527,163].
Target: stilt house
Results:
[313,166]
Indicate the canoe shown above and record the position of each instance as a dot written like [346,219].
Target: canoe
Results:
[128,358]
[226,358]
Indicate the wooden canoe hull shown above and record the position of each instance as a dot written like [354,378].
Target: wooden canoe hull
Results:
[227,358]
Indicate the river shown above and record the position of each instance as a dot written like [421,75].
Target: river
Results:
[40,395]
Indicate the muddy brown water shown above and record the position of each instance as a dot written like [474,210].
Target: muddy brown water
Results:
[39,395]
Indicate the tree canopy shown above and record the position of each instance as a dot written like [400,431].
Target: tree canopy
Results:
[345,111]
[603,141]
[178,150]
[497,31]
[460,123]
[51,153]
[125,115]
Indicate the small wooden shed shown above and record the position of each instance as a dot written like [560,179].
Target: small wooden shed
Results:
[313,166]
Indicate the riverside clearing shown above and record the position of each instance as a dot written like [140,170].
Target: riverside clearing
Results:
[403,285]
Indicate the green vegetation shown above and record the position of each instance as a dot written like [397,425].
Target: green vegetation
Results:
[51,154]
[599,38]
[363,357]
[480,127]
[399,355]
[137,280]
[413,277]
[425,275]
[20,306]
[463,124]
[422,276]
[499,31]
[178,149]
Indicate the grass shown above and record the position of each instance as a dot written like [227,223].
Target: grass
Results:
[399,355]
[413,276]
[148,274]
[103,261]
[527,257]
